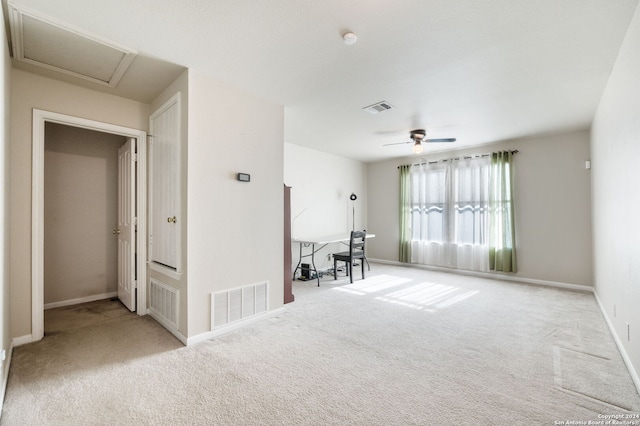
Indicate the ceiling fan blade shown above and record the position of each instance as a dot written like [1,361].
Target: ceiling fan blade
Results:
[397,143]
[440,140]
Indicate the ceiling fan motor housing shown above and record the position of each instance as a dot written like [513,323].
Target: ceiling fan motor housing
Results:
[418,134]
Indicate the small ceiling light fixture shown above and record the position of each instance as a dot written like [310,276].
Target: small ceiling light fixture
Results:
[418,136]
[349,38]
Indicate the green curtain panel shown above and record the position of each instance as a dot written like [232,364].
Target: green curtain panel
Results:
[502,247]
[405,214]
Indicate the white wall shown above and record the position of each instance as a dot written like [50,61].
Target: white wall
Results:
[552,208]
[80,213]
[5,206]
[320,205]
[29,91]
[235,229]
[227,131]
[615,153]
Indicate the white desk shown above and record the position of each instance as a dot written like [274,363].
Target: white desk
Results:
[321,242]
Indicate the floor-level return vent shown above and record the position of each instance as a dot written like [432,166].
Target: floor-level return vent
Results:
[238,304]
[163,303]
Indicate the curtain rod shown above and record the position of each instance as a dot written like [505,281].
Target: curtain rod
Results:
[515,151]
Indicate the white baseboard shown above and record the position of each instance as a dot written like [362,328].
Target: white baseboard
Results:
[233,326]
[489,275]
[632,371]
[23,340]
[170,327]
[5,375]
[81,300]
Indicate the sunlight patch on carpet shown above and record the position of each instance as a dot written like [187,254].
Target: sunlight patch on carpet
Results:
[424,296]
[428,296]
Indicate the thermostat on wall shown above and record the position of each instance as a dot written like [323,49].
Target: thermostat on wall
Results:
[244,177]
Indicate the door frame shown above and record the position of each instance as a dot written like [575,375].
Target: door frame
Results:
[40,117]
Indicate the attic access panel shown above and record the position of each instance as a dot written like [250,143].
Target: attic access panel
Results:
[44,42]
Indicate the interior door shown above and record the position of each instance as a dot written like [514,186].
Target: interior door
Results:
[164,197]
[126,224]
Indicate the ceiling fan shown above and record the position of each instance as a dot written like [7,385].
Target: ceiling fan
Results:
[417,138]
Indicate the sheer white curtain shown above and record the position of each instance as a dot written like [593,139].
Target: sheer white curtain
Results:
[428,219]
[449,213]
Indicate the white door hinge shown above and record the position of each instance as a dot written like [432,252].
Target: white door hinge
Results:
[135,221]
[135,157]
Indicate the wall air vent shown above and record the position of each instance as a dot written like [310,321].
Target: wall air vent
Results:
[378,107]
[238,304]
[48,43]
[163,304]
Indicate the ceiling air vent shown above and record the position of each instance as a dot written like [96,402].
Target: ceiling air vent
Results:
[48,43]
[378,107]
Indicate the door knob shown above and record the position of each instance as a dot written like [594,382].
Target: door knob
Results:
[171,219]
[116,231]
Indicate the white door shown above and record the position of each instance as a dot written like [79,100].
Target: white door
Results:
[164,197]
[126,229]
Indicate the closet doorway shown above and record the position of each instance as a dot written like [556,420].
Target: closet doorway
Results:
[118,203]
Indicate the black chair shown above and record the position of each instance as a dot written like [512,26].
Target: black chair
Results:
[356,251]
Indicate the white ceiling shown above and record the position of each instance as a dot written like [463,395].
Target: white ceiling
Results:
[478,70]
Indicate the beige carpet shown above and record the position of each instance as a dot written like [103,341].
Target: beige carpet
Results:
[402,347]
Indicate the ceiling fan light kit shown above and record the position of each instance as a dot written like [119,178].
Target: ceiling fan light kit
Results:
[417,135]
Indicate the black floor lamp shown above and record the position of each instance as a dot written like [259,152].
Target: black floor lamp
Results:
[353,197]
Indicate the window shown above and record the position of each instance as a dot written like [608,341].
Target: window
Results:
[470,195]
[427,205]
[458,213]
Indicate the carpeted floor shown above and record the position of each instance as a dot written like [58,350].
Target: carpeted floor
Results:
[402,347]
